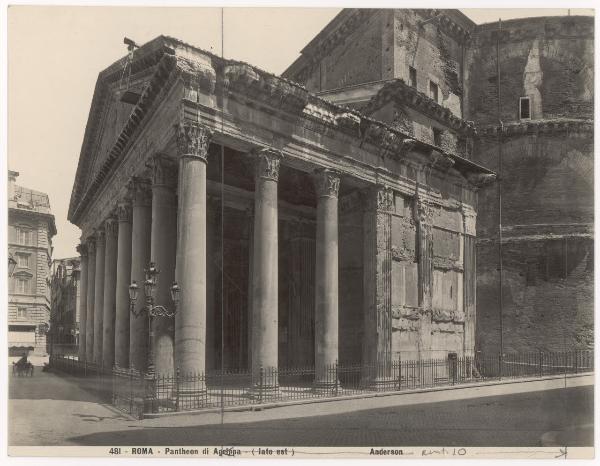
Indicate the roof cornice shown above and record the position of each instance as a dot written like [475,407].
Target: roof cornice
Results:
[398,91]
[547,126]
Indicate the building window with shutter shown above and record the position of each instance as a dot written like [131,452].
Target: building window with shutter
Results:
[23,285]
[22,313]
[23,260]
[24,236]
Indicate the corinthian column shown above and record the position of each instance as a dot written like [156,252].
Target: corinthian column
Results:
[99,295]
[140,257]
[123,280]
[193,142]
[90,298]
[326,279]
[110,275]
[162,252]
[82,250]
[265,273]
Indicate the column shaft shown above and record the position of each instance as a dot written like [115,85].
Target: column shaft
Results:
[140,257]
[190,321]
[162,252]
[110,276]
[90,298]
[123,280]
[265,271]
[99,295]
[83,286]
[326,280]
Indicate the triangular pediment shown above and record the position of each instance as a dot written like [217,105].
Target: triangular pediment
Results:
[115,98]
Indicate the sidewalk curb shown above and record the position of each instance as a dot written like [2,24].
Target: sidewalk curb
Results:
[280,404]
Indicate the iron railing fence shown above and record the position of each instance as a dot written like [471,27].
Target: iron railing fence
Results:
[137,393]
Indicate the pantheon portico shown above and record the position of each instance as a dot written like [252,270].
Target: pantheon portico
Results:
[300,233]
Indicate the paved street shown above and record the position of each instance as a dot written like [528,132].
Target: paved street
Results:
[54,410]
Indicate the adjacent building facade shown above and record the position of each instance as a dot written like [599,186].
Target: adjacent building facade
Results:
[64,307]
[30,230]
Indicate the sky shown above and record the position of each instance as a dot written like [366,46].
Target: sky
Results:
[56,53]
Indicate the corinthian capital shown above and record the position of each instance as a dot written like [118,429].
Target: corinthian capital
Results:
[423,211]
[111,226]
[91,245]
[82,250]
[164,170]
[327,182]
[380,198]
[267,164]
[139,190]
[124,211]
[193,140]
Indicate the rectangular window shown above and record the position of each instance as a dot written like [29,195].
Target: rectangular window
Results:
[524,108]
[433,91]
[23,260]
[22,313]
[23,285]
[24,236]
[412,77]
[437,137]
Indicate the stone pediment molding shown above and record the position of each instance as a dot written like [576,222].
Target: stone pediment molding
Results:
[481,179]
[550,126]
[441,161]
[250,83]
[399,92]
[447,24]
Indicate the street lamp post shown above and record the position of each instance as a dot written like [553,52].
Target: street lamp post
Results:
[151,309]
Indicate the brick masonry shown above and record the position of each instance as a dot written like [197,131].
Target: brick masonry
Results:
[547,184]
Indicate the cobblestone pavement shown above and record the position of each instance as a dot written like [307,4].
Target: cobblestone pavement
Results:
[56,410]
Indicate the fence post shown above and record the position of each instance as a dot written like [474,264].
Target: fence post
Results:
[260,385]
[541,364]
[500,357]
[337,380]
[177,389]
[399,371]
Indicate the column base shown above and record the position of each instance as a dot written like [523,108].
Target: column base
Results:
[326,387]
[262,393]
[380,384]
[192,397]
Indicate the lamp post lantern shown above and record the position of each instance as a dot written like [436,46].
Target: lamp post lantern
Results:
[12,263]
[151,309]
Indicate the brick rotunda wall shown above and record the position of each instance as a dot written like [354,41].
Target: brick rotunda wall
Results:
[547,177]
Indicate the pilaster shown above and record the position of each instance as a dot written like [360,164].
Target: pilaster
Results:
[377,285]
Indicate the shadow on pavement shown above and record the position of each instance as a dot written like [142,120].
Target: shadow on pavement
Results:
[550,418]
[53,386]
